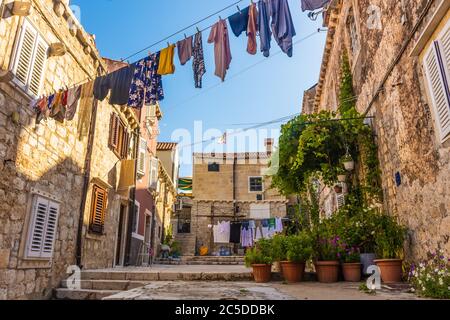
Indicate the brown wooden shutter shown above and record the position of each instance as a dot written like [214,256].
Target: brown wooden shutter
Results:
[125,143]
[98,210]
[114,131]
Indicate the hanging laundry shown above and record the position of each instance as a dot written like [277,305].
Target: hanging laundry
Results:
[279,225]
[246,236]
[146,86]
[252,29]
[265,34]
[198,63]
[119,82]
[222,232]
[282,25]
[222,53]
[73,96]
[185,50]
[311,5]
[235,233]
[166,65]
[239,22]
[85,107]
[58,110]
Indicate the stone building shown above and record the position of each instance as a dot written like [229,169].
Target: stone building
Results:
[231,187]
[399,53]
[61,187]
[147,179]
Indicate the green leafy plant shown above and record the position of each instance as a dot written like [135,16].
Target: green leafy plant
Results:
[279,250]
[389,238]
[260,254]
[299,247]
[431,278]
[352,255]
[175,249]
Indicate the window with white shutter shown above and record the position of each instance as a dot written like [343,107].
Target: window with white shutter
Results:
[43,228]
[30,60]
[142,156]
[437,70]
[153,181]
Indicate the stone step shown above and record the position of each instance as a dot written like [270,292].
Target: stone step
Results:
[83,294]
[215,263]
[165,276]
[119,285]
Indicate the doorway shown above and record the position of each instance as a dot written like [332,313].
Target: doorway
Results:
[120,236]
[147,238]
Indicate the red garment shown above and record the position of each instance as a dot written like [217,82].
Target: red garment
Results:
[222,53]
[42,105]
[64,98]
[252,46]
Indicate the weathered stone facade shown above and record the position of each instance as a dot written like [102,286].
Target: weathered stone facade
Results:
[49,159]
[385,41]
[225,195]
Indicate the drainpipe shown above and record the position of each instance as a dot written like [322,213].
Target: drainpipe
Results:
[87,174]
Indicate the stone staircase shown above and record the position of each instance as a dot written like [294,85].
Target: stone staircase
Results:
[203,261]
[99,284]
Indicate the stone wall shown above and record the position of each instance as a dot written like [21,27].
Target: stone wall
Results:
[406,131]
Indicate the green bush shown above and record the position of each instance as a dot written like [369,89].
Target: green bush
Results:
[389,238]
[260,254]
[279,250]
[299,248]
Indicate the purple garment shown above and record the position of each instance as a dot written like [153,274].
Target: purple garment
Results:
[222,53]
[282,25]
[311,5]
[185,50]
[265,34]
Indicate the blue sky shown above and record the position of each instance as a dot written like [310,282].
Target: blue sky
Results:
[258,90]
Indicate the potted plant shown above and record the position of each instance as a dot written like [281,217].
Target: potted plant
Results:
[278,251]
[175,250]
[351,266]
[348,162]
[298,251]
[389,243]
[260,259]
[342,175]
[328,255]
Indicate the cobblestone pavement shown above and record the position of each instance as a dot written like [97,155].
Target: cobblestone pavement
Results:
[196,290]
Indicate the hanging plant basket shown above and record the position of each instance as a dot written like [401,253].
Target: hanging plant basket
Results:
[342,178]
[349,165]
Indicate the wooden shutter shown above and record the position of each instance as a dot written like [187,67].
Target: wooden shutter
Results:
[38,68]
[24,55]
[114,131]
[50,230]
[125,143]
[37,227]
[142,156]
[445,49]
[43,228]
[439,91]
[98,211]
[153,181]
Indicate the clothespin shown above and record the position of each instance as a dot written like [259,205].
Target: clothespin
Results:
[198,30]
[239,9]
[185,36]
[168,44]
[220,17]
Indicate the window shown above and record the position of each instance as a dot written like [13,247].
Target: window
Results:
[437,71]
[30,60]
[256,184]
[154,168]
[353,33]
[136,217]
[98,210]
[43,227]
[142,157]
[119,137]
[213,167]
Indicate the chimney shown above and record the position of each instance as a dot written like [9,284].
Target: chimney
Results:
[269,145]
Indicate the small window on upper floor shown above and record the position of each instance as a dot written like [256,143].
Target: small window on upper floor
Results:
[436,63]
[29,60]
[213,167]
[256,184]
[119,137]
[353,34]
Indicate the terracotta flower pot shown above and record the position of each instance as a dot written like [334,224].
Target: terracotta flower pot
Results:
[342,178]
[349,165]
[262,273]
[327,271]
[391,270]
[293,271]
[352,272]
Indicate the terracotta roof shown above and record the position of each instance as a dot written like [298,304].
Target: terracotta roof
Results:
[166,146]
